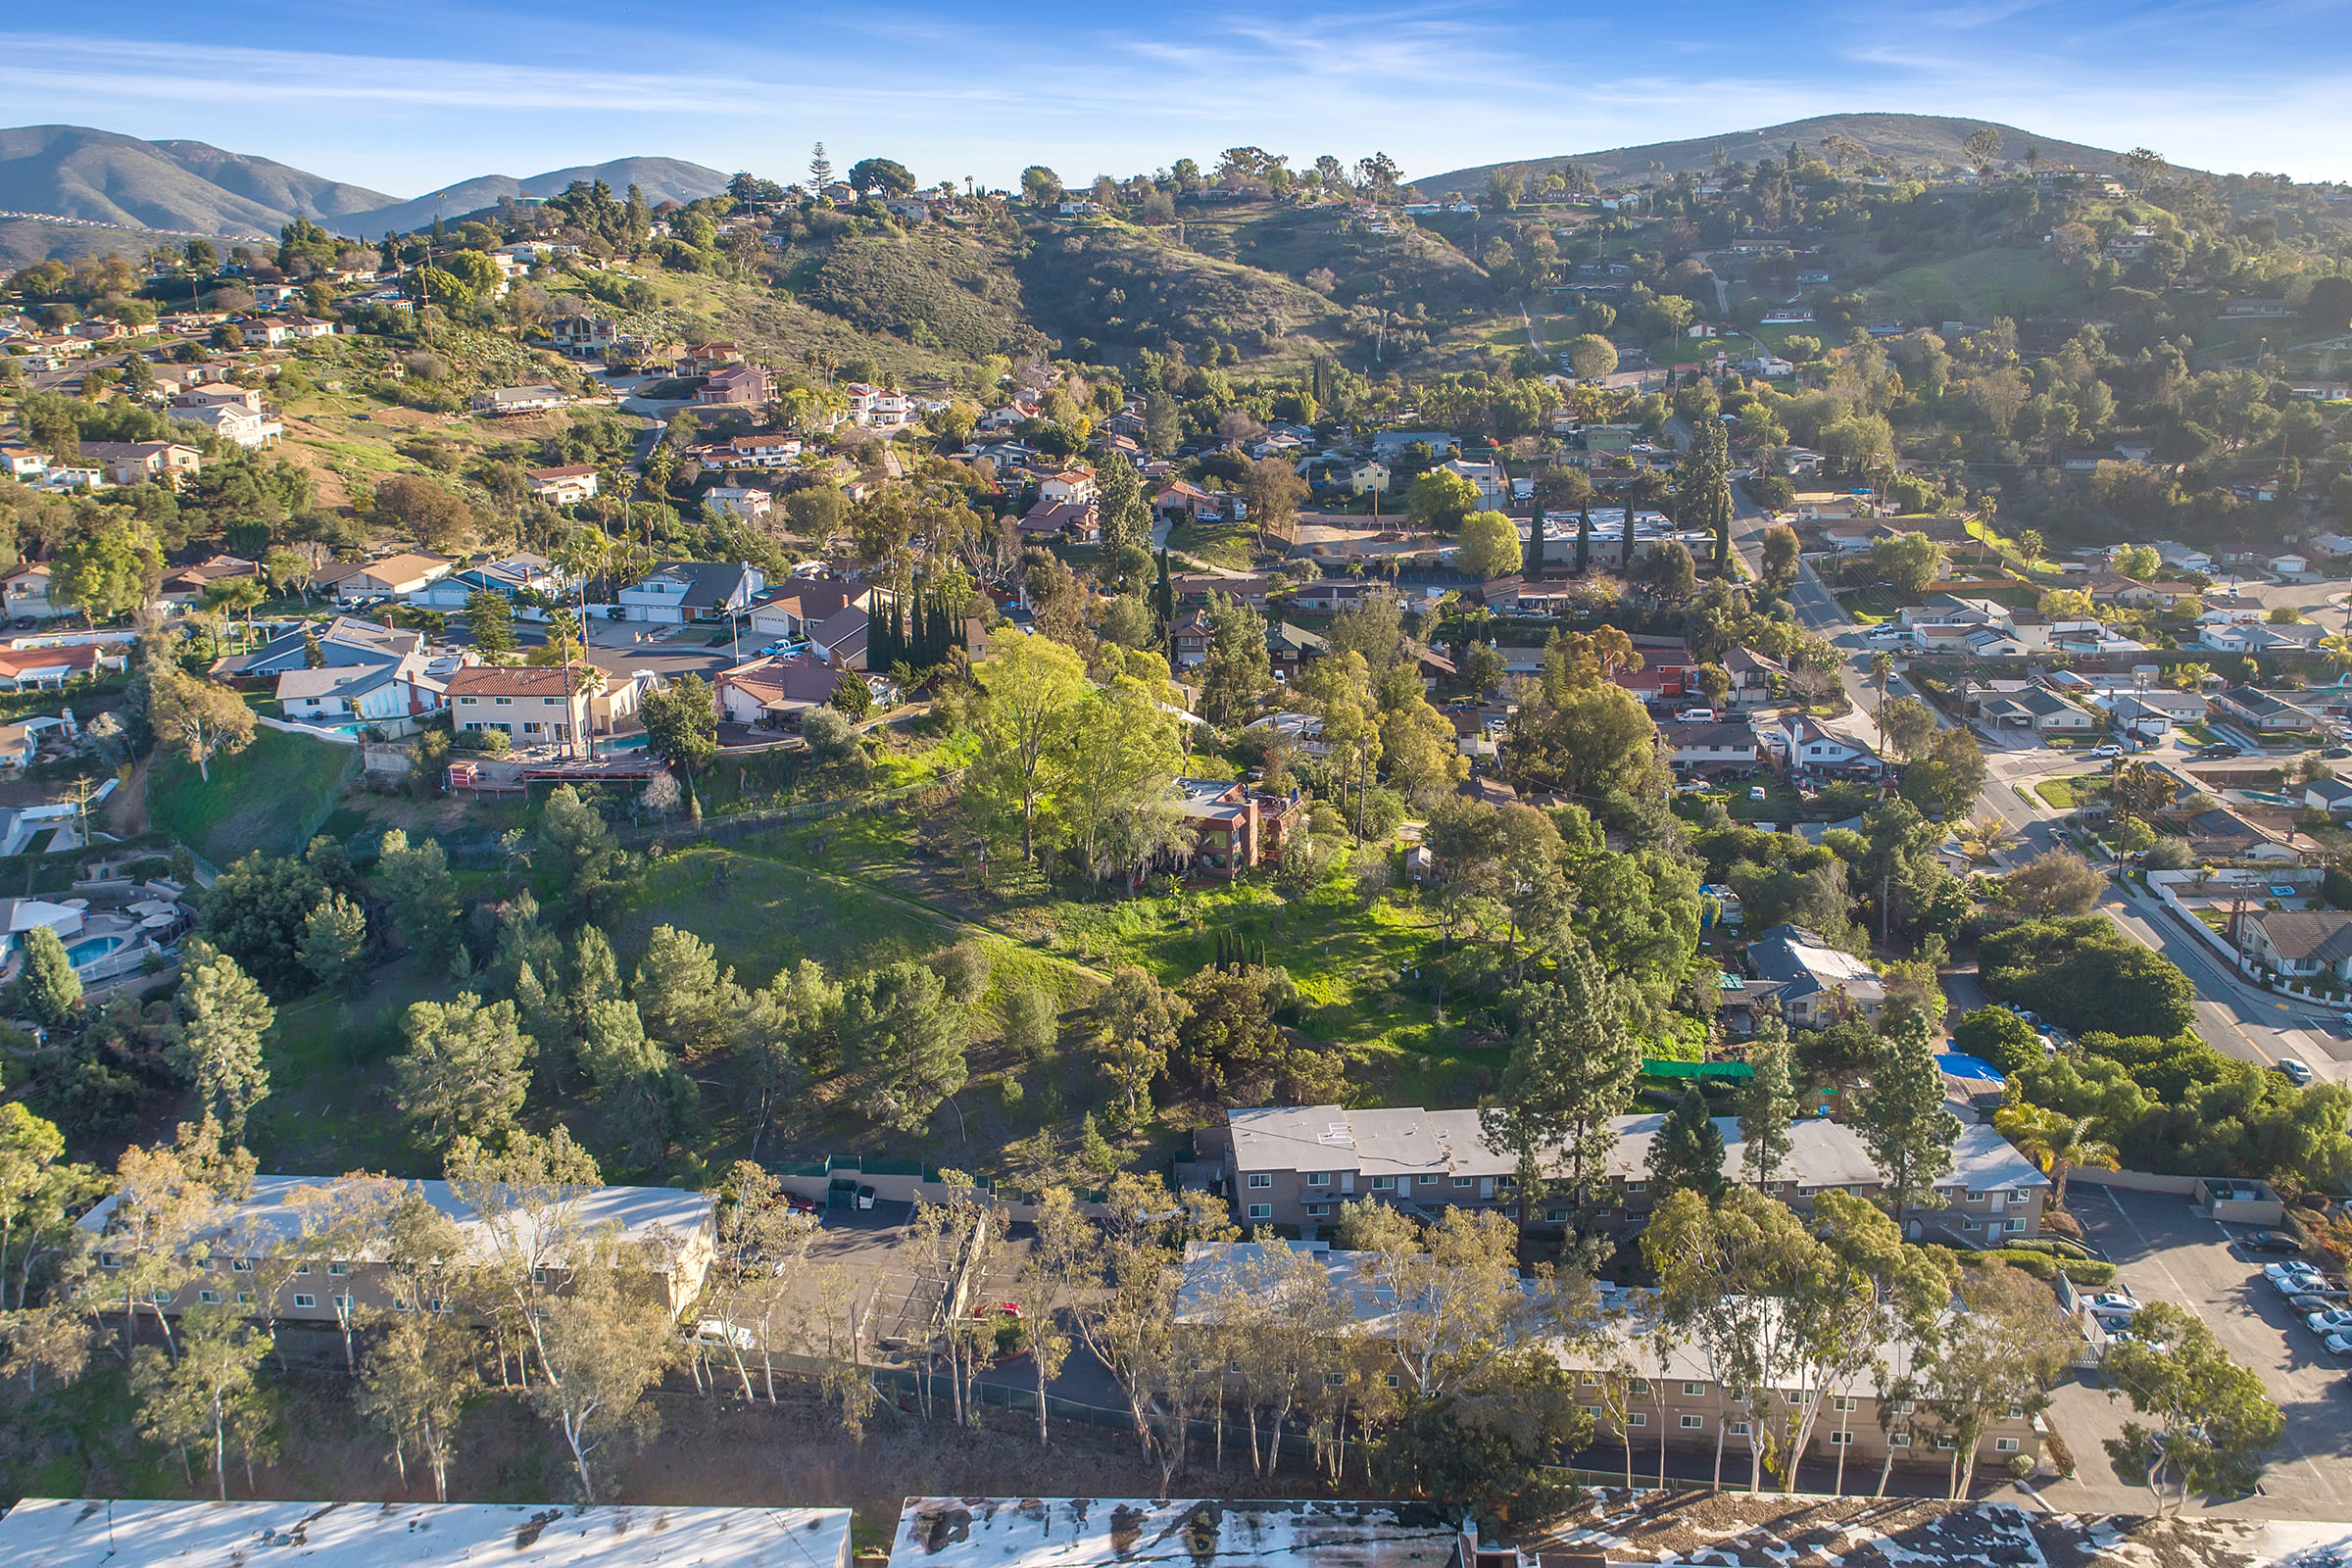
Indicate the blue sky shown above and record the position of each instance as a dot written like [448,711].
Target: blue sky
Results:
[408,97]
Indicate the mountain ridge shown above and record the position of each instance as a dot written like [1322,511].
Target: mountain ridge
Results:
[1911,138]
[81,172]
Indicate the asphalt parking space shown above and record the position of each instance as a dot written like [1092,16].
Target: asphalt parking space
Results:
[2165,1251]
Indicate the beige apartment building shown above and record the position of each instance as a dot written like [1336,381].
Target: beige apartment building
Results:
[1294,1165]
[1672,1394]
[323,1284]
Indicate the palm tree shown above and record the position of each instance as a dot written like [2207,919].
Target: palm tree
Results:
[2056,1142]
[2339,650]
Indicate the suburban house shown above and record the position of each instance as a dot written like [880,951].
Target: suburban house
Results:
[345,641]
[1067,516]
[1294,1165]
[584,337]
[515,575]
[138,462]
[21,668]
[233,422]
[386,694]
[1236,828]
[2257,637]
[1752,676]
[2040,709]
[27,593]
[874,407]
[185,585]
[1242,588]
[734,384]
[742,503]
[274,1211]
[800,606]
[217,395]
[2267,713]
[499,401]
[679,591]
[772,451]
[1711,748]
[1184,499]
[1817,981]
[535,705]
[2299,943]
[1289,647]
[2331,794]
[1188,637]
[774,693]
[392,576]
[1809,750]
[2221,837]
[840,639]
[565,486]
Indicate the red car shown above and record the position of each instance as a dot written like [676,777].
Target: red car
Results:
[799,1205]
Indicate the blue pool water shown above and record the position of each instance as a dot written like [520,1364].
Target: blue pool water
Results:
[91,951]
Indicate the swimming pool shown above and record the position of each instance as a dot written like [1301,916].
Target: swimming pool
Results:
[82,954]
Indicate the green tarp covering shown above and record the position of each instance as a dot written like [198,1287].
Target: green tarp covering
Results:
[1696,1069]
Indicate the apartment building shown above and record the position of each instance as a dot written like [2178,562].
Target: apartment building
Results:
[270,1222]
[1294,1165]
[1670,1395]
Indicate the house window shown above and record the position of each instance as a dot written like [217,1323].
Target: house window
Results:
[301,1268]
[1334,1380]
[2004,1446]
[1845,1402]
[1637,1187]
[338,1268]
[1636,1418]
[1590,1380]
[1319,1211]
[1318,1177]
[1383,1184]
[434,1304]
[241,1265]
[538,1276]
[208,1297]
[342,1302]
[1901,1440]
[1262,1211]
[244,1298]
[1692,1391]
[399,1305]
[1840,1440]
[1691,1423]
[505,702]
[110,1259]
[1461,1181]
[1944,1442]
[1738,1429]
[159,1297]
[1394,1380]
[2017,1225]
[550,702]
[2017,1412]
[1259,1178]
[306,1301]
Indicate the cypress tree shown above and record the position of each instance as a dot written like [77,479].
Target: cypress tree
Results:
[1584,538]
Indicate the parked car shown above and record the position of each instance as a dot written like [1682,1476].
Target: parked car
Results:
[799,1205]
[1696,715]
[710,1331]
[2307,1304]
[2340,1343]
[2328,1320]
[2294,1279]
[2337,753]
[2113,1301]
[2296,1073]
[2268,1242]
[2108,749]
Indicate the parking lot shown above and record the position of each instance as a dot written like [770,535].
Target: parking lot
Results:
[2165,1251]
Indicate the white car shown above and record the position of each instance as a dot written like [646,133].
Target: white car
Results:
[710,1331]
[2107,750]
[2330,1320]
[2113,1301]
[2293,1279]
[2297,1073]
[2339,1344]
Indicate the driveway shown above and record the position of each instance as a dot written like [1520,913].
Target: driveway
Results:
[2165,1253]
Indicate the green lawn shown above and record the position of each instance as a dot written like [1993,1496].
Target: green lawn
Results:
[1220,544]
[1983,284]
[269,797]
[2061,793]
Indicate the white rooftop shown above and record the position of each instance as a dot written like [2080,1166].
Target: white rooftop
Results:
[1186,1532]
[73,1533]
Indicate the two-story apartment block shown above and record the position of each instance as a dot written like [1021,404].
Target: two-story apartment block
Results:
[737,385]
[678,591]
[281,1215]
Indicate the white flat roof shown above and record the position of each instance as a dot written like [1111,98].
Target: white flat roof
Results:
[74,1533]
[1183,1533]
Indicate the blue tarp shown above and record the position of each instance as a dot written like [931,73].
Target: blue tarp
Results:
[1959,1067]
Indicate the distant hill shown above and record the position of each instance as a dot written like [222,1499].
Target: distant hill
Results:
[1912,139]
[103,178]
[74,172]
[663,180]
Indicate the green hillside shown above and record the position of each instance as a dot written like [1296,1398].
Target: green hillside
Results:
[1905,138]
[1979,285]
[269,797]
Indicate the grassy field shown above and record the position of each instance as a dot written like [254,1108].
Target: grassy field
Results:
[1225,544]
[2061,793]
[1983,284]
[269,797]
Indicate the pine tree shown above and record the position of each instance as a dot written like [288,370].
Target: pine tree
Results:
[217,1039]
[820,170]
[1687,1150]
[1163,602]
[1767,1104]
